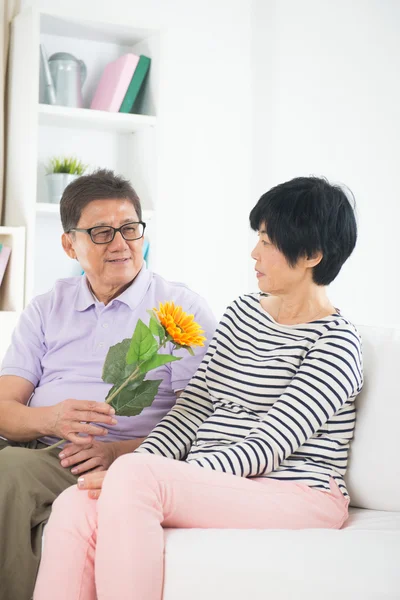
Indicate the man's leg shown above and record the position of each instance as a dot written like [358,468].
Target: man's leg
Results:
[30,481]
[4,444]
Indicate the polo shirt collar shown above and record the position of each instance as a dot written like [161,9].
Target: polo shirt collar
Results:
[132,296]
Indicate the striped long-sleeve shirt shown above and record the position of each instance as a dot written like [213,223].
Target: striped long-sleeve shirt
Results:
[269,400]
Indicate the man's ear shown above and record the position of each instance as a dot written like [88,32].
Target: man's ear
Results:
[67,245]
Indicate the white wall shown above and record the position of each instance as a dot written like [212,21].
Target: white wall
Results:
[254,92]
[204,136]
[326,102]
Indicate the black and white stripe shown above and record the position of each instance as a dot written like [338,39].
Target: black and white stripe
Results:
[269,400]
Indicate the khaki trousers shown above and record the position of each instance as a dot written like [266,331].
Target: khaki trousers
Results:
[30,481]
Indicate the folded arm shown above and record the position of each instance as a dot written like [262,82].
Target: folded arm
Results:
[329,376]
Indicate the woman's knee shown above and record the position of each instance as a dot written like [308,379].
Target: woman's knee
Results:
[73,513]
[129,467]
[133,461]
[72,501]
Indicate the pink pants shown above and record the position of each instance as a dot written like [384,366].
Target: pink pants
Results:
[113,547]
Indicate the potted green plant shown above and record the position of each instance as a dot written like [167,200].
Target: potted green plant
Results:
[60,171]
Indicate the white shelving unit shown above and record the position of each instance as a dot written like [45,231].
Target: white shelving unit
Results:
[125,143]
[12,285]
[99,120]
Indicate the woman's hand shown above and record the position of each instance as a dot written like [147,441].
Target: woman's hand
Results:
[92,482]
[94,456]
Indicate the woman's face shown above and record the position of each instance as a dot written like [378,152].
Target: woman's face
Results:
[275,276]
[112,265]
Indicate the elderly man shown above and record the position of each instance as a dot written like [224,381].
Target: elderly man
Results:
[50,384]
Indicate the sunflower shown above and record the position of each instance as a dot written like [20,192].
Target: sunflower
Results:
[182,327]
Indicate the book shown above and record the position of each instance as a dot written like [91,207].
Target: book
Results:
[114,83]
[5,252]
[136,83]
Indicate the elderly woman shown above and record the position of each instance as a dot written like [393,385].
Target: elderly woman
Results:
[260,436]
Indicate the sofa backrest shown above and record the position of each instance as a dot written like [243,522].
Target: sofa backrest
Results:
[373,476]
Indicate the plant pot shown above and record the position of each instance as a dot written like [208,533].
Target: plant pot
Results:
[57,182]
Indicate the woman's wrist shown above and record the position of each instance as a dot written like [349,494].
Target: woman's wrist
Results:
[125,447]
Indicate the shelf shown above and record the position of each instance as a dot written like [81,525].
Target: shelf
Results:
[12,286]
[8,321]
[45,208]
[100,120]
[80,29]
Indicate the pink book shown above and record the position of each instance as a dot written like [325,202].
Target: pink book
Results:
[114,83]
[5,252]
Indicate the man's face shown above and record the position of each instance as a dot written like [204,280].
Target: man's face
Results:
[110,265]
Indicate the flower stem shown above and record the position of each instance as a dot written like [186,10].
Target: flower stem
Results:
[121,387]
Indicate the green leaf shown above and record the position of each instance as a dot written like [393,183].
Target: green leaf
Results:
[130,403]
[128,370]
[155,326]
[132,385]
[156,361]
[142,346]
[114,365]
[66,164]
[111,391]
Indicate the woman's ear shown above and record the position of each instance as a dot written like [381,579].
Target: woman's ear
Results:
[313,261]
[66,242]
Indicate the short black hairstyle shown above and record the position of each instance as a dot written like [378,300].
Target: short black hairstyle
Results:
[103,184]
[307,215]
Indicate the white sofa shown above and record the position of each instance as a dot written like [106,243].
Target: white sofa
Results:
[359,562]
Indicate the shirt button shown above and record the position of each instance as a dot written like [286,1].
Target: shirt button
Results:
[105,325]
[101,345]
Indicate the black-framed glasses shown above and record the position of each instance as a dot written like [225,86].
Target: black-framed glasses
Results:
[104,234]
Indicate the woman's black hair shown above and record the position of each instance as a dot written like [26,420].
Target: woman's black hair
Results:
[307,215]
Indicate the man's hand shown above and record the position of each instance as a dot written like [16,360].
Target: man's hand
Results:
[93,456]
[92,482]
[70,417]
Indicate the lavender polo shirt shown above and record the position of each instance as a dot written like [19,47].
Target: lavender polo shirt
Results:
[62,338]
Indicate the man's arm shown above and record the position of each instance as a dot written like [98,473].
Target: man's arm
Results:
[183,370]
[17,421]
[67,419]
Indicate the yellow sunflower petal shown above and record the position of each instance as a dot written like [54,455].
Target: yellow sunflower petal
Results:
[182,327]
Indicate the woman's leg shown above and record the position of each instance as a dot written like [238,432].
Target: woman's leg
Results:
[66,570]
[144,493]
[141,495]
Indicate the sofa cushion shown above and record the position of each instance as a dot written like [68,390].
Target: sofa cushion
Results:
[373,476]
[373,520]
[360,562]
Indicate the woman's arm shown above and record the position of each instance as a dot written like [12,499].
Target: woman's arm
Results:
[329,376]
[176,432]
